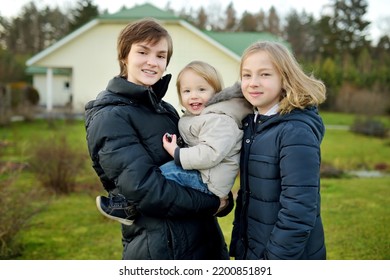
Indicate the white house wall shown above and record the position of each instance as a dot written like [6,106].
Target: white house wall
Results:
[187,47]
[62,93]
[92,58]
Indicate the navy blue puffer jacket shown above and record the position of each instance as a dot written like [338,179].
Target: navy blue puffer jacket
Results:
[124,126]
[278,213]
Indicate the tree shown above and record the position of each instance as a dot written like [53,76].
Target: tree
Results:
[22,34]
[330,74]
[383,46]
[55,25]
[261,21]
[28,33]
[33,30]
[215,16]
[273,22]
[230,18]
[299,33]
[187,15]
[326,38]
[201,22]
[83,13]
[168,7]
[11,67]
[2,32]
[349,25]
[247,22]
[365,66]
[382,62]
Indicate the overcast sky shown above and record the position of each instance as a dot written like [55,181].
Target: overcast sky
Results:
[378,10]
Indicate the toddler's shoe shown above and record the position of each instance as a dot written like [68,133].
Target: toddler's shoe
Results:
[117,208]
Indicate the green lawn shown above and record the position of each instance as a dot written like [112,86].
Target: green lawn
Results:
[349,151]
[355,210]
[356,218]
[348,119]
[355,213]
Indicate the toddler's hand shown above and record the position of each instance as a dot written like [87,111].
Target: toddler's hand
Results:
[169,143]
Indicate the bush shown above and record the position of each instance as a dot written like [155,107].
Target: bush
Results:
[17,206]
[5,106]
[327,170]
[369,127]
[352,99]
[56,165]
[32,95]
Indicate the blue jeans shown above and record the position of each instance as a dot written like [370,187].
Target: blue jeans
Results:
[187,178]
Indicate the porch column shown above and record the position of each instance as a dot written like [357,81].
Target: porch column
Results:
[49,89]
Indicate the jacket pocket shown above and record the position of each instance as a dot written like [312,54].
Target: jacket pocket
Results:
[262,166]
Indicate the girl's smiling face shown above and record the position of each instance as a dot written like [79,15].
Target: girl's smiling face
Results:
[261,84]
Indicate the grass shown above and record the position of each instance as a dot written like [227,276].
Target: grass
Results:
[356,218]
[355,215]
[349,151]
[72,229]
[355,210]
[332,118]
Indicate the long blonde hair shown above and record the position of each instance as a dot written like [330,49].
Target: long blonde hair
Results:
[299,89]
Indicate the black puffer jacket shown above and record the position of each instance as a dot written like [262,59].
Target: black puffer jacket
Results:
[124,126]
[278,213]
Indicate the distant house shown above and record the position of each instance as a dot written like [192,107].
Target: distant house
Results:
[75,69]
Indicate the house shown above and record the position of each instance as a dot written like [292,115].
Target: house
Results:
[75,69]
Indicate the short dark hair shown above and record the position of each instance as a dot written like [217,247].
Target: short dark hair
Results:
[145,30]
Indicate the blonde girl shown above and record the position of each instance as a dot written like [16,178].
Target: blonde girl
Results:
[278,213]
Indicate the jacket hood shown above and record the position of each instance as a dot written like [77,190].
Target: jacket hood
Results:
[229,101]
[228,93]
[121,91]
[308,115]
[311,117]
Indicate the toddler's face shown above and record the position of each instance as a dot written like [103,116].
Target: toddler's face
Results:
[195,91]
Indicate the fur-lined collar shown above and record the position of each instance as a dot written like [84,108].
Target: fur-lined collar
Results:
[233,91]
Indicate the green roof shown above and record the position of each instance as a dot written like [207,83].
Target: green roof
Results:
[237,42]
[42,70]
[141,11]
